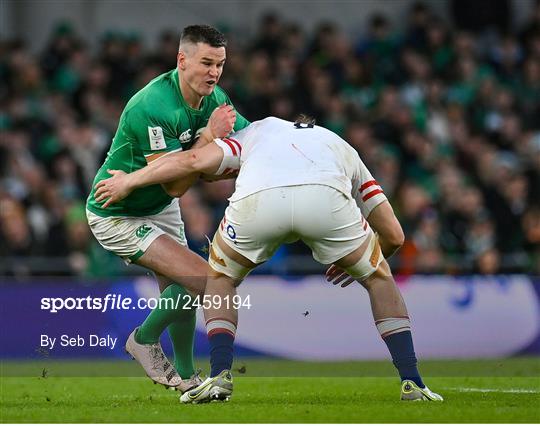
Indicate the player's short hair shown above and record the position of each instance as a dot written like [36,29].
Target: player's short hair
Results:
[203,34]
[305,119]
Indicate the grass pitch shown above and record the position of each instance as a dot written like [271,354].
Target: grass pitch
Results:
[273,391]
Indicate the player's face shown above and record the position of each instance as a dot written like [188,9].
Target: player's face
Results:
[201,66]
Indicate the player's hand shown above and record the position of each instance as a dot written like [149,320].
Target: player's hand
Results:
[222,120]
[338,275]
[113,189]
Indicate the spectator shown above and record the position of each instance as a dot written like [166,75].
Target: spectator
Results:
[447,123]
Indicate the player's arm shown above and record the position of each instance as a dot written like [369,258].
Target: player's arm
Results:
[375,207]
[214,158]
[223,120]
[383,220]
[178,187]
[167,169]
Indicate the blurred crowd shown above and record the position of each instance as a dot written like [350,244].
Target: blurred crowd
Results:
[447,120]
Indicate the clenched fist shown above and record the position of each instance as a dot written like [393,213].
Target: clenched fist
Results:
[222,120]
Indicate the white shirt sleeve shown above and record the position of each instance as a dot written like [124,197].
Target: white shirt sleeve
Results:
[367,193]
[231,155]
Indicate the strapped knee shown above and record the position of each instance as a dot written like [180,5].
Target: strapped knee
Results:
[369,262]
[220,262]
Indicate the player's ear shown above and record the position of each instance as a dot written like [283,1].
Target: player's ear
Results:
[181,60]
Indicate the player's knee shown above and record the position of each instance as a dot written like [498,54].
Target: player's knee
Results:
[367,263]
[222,274]
[222,265]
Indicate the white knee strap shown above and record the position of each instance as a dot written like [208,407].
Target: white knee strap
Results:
[220,262]
[369,262]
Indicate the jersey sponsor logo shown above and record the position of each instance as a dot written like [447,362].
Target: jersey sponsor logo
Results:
[231,232]
[157,140]
[142,231]
[185,137]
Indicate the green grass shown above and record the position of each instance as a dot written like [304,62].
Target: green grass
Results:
[318,393]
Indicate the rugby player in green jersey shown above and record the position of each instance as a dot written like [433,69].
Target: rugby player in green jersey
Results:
[179,110]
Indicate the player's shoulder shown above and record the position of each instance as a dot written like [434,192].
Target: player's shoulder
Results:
[154,97]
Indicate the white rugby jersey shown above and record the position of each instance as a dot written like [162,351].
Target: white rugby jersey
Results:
[275,153]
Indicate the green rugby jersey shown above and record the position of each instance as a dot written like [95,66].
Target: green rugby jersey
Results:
[155,120]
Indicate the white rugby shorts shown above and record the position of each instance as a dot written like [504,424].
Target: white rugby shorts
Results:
[326,220]
[129,237]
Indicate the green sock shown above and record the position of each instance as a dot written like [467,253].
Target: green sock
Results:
[164,314]
[180,324]
[182,334]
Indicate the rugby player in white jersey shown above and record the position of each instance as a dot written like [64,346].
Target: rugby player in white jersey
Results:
[296,181]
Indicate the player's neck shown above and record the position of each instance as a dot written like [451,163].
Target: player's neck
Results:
[192,98]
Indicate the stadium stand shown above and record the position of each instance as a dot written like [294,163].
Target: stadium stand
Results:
[447,120]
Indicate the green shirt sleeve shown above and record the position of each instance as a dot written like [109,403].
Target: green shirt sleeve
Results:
[241,122]
[154,134]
